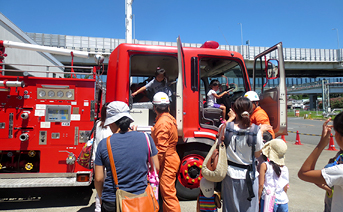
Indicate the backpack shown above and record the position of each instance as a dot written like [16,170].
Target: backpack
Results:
[252,136]
[230,131]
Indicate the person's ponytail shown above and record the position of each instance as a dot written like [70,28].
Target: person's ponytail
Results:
[243,109]
[276,168]
[124,123]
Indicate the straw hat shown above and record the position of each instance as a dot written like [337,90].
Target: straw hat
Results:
[275,150]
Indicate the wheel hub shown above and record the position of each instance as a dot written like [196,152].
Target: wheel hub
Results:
[190,171]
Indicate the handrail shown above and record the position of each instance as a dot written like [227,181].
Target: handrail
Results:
[54,72]
[79,67]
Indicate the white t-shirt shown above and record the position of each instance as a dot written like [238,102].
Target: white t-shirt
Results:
[333,176]
[239,152]
[271,181]
[210,98]
[100,133]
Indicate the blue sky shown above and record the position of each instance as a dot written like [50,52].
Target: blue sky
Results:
[296,23]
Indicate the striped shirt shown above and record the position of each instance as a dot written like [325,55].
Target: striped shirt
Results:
[207,204]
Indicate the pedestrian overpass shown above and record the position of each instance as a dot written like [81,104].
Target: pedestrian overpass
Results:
[299,62]
[322,87]
[303,66]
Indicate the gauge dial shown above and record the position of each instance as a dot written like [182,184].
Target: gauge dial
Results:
[60,94]
[51,93]
[69,94]
[41,93]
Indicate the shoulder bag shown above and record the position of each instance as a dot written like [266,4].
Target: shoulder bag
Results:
[214,167]
[269,198]
[128,202]
[85,156]
[152,173]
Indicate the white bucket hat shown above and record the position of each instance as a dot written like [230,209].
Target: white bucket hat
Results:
[115,111]
[206,187]
[275,150]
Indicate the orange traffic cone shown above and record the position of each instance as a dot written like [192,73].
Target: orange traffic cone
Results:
[332,144]
[297,139]
[283,138]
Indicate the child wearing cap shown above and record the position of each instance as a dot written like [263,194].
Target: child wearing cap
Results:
[208,199]
[274,176]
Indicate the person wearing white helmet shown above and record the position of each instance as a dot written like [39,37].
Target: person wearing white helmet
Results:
[165,137]
[259,116]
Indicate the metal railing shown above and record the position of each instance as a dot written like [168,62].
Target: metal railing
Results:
[107,45]
[47,70]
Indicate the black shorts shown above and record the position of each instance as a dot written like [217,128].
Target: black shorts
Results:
[108,206]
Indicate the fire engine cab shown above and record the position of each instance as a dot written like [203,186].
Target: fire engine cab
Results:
[189,71]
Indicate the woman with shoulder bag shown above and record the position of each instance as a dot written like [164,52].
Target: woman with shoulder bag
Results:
[239,186]
[101,132]
[130,154]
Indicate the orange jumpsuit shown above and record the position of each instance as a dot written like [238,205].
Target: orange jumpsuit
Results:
[165,137]
[259,116]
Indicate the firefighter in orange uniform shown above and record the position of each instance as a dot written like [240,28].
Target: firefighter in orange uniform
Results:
[165,136]
[259,116]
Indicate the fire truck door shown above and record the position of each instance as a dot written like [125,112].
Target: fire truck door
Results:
[179,87]
[269,81]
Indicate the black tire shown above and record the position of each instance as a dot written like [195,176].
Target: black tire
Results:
[184,193]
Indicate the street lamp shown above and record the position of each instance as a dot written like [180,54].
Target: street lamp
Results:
[337,36]
[241,33]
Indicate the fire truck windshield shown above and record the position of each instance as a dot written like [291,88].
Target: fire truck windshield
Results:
[228,72]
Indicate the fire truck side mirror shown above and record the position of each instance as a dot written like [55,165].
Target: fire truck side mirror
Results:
[273,69]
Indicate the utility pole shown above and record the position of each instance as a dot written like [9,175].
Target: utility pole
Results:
[337,36]
[241,39]
[128,21]
[241,33]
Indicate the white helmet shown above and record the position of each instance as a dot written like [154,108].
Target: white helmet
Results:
[252,96]
[161,98]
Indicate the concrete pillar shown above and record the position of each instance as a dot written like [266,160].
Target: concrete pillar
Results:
[313,100]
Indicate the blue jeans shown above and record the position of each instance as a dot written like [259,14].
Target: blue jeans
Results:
[277,207]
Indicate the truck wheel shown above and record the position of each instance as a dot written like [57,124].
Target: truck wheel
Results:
[189,176]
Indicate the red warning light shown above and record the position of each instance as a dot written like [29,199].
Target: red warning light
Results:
[210,44]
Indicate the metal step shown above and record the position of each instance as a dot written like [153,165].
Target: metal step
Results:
[41,182]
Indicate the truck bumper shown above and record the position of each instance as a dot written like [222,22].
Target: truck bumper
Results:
[45,180]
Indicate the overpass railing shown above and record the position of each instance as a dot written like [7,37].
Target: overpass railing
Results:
[107,45]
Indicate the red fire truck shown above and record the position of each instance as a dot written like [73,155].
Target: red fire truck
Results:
[44,123]
[190,70]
